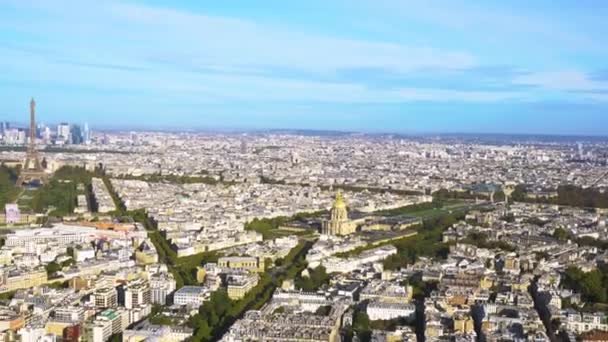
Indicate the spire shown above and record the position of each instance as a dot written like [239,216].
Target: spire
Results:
[339,202]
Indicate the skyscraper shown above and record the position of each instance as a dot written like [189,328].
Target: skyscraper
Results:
[63,132]
[46,135]
[86,133]
[133,136]
[76,135]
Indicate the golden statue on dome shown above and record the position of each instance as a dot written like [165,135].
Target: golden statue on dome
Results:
[338,224]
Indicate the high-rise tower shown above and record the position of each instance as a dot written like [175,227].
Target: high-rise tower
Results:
[32,169]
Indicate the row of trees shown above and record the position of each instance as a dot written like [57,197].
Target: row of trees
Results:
[567,195]
[8,190]
[157,178]
[183,269]
[578,197]
[217,314]
[61,191]
[56,194]
[344,187]
[220,312]
[518,195]
[354,188]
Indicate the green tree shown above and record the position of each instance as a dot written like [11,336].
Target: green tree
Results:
[202,332]
[116,338]
[361,325]
[52,268]
[561,234]
[318,277]
[591,285]
[8,190]
[68,262]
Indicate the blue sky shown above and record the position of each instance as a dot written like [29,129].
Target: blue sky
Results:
[377,65]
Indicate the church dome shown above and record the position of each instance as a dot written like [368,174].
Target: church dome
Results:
[339,202]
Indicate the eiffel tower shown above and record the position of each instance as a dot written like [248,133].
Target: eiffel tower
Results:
[32,169]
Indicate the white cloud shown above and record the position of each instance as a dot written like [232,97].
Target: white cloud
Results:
[448,95]
[508,25]
[565,80]
[218,59]
[131,31]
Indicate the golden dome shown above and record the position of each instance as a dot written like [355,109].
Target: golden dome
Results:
[339,202]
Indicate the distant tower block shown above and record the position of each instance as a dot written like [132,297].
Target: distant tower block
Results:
[32,170]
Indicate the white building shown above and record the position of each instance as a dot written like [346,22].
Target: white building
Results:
[70,314]
[108,323]
[584,322]
[137,294]
[161,287]
[158,333]
[101,330]
[81,204]
[191,295]
[105,203]
[305,301]
[340,265]
[29,334]
[63,132]
[104,298]
[83,254]
[387,311]
[60,234]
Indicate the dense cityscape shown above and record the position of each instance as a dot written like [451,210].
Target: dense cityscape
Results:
[287,236]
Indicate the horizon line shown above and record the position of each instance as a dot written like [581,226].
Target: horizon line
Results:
[237,130]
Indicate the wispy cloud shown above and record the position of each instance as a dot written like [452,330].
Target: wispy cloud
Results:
[565,80]
[136,56]
[541,25]
[145,32]
[222,58]
[446,95]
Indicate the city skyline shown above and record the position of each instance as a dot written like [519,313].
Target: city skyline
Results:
[374,67]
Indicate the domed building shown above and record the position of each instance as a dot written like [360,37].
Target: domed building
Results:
[339,224]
